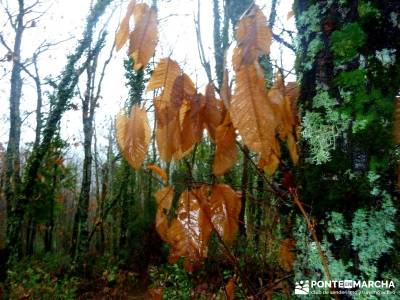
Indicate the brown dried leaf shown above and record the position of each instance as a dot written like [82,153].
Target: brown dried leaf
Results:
[144,37]
[286,255]
[225,152]
[133,136]
[225,205]
[292,147]
[156,294]
[269,165]
[164,199]
[164,76]
[251,112]
[183,89]
[190,232]
[226,90]
[281,107]
[253,36]
[192,124]
[211,113]
[123,31]
[230,289]
[160,172]
[168,136]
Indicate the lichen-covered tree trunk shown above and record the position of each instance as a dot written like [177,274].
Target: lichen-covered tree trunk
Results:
[349,70]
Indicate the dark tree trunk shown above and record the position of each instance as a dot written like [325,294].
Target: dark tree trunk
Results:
[48,234]
[31,229]
[346,72]
[244,188]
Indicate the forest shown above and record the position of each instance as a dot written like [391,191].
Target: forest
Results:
[187,149]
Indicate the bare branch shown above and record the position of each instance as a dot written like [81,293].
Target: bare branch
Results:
[283,42]
[200,47]
[103,71]
[9,15]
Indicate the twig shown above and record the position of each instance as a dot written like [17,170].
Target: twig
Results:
[200,47]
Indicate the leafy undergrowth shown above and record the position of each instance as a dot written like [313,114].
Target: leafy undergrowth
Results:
[45,278]
[218,277]
[53,277]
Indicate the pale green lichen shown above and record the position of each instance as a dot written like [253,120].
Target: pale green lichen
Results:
[371,231]
[320,136]
[321,129]
[314,47]
[394,19]
[337,225]
[387,57]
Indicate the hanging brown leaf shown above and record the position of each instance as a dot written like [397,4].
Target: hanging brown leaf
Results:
[211,113]
[225,205]
[156,294]
[192,124]
[251,113]
[283,101]
[168,136]
[286,254]
[253,36]
[292,93]
[292,147]
[164,199]
[190,232]
[133,136]
[164,76]
[281,107]
[269,165]
[183,89]
[160,172]
[230,289]
[123,31]
[226,90]
[144,37]
[225,152]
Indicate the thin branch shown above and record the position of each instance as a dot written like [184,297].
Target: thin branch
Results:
[283,42]
[200,47]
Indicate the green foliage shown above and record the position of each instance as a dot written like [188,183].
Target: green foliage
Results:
[174,279]
[367,10]
[346,42]
[42,278]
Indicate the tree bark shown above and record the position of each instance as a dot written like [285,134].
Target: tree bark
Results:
[12,178]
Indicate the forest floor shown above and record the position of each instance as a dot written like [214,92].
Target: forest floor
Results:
[123,288]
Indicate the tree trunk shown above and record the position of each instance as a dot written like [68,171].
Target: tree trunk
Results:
[81,235]
[349,80]
[12,169]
